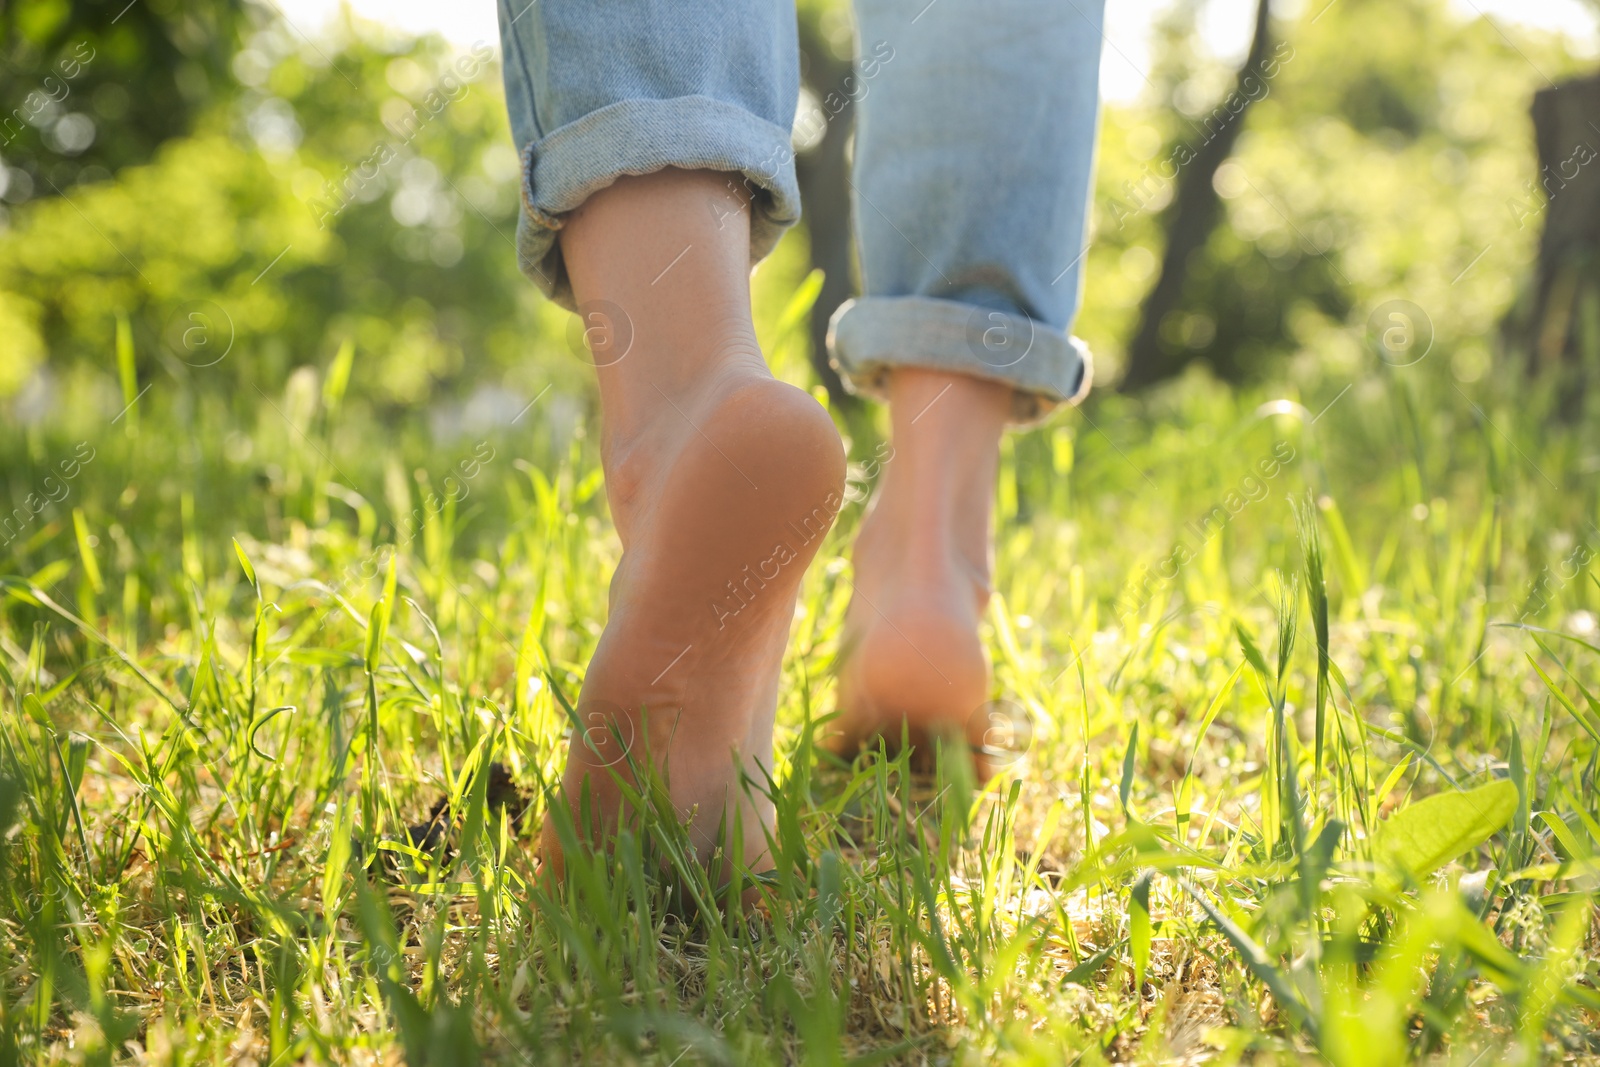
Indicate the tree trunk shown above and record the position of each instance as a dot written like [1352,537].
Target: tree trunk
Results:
[1564,322]
[1195,209]
[825,200]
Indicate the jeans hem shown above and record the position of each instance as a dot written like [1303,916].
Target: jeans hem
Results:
[868,338]
[565,167]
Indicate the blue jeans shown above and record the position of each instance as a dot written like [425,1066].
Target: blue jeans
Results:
[973,158]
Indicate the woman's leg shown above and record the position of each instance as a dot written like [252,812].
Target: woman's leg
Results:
[722,481]
[598,91]
[922,564]
[972,169]
[663,174]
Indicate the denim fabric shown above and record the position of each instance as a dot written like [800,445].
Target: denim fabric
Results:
[972,165]
[973,157]
[599,90]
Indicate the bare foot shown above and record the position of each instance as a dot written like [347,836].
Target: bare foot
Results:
[910,656]
[725,524]
[722,482]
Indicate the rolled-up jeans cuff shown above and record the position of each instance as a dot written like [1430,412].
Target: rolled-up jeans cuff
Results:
[641,136]
[868,338]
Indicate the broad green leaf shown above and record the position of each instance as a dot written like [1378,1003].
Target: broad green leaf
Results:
[1426,835]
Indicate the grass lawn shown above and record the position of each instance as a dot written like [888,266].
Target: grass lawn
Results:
[1296,705]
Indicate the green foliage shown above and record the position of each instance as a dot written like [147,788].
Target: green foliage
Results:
[272,234]
[1435,830]
[89,87]
[219,764]
[263,616]
[1387,147]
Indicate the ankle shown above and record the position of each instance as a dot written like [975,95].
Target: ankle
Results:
[650,408]
[931,515]
[669,284]
[893,549]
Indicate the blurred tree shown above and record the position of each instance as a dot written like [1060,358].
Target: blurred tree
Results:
[361,188]
[364,187]
[1195,210]
[89,86]
[1563,322]
[823,169]
[1376,164]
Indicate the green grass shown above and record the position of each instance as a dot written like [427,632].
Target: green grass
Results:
[1300,779]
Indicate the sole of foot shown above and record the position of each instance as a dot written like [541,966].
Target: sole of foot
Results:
[728,504]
